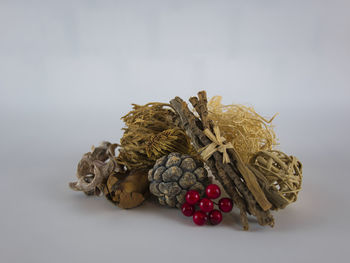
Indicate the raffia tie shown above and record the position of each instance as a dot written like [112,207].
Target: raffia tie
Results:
[218,144]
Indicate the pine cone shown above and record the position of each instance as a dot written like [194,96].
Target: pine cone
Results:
[173,175]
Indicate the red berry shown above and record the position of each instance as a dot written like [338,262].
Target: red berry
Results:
[206,205]
[187,209]
[213,191]
[225,204]
[192,197]
[199,218]
[215,217]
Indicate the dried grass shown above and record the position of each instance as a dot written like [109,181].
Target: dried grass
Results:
[150,133]
[248,131]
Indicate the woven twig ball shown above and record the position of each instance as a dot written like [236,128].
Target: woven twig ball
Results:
[280,176]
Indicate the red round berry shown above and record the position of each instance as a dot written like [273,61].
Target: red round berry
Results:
[199,218]
[192,197]
[187,209]
[213,191]
[215,217]
[225,205]
[206,205]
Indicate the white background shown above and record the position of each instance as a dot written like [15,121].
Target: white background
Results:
[70,69]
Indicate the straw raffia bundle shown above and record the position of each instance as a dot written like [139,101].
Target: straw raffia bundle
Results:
[248,131]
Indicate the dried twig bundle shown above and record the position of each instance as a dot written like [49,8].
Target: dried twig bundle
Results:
[243,127]
[238,181]
[150,133]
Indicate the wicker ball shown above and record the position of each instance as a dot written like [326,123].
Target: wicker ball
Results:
[173,175]
[280,176]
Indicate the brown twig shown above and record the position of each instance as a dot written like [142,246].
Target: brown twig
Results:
[228,174]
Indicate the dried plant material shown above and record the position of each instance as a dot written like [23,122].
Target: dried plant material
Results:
[171,140]
[175,174]
[251,181]
[243,127]
[127,189]
[218,144]
[234,142]
[150,133]
[280,176]
[228,174]
[130,200]
[93,170]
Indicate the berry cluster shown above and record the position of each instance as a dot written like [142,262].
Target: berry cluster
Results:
[206,210]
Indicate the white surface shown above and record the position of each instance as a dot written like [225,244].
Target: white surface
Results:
[70,69]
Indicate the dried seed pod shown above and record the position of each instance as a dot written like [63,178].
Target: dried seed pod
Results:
[127,189]
[93,170]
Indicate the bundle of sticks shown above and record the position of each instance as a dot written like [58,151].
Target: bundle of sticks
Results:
[235,176]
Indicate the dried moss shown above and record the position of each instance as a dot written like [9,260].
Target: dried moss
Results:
[150,133]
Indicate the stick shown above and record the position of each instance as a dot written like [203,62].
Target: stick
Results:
[229,175]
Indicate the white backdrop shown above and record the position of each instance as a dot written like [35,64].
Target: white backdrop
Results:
[70,69]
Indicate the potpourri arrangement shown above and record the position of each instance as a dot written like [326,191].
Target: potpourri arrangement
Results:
[206,160]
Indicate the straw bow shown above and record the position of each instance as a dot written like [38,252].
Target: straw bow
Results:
[218,144]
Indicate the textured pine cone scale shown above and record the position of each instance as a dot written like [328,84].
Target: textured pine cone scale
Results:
[173,175]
